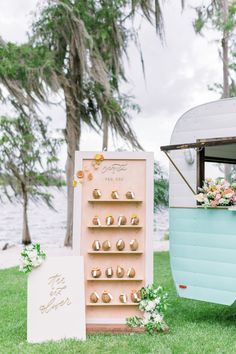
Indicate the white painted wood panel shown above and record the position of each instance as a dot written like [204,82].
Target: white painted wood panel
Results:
[211,120]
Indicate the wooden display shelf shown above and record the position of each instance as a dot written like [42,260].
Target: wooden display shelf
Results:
[115,279]
[112,304]
[115,227]
[115,201]
[115,252]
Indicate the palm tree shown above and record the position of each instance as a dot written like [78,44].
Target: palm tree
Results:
[89,39]
[83,45]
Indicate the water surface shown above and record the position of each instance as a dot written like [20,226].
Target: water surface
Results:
[48,226]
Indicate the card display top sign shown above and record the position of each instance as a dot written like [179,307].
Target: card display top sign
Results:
[56,302]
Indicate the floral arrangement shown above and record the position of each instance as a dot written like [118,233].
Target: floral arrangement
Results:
[153,302]
[31,257]
[216,193]
[81,174]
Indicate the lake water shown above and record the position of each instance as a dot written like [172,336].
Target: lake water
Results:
[48,226]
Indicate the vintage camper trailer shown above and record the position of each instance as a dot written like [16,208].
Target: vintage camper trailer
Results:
[203,241]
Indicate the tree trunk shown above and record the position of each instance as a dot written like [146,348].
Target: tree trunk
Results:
[225,49]
[105,128]
[72,135]
[26,239]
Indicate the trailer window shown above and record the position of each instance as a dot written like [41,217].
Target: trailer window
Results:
[217,161]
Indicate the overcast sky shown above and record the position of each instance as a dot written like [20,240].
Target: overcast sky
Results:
[177,74]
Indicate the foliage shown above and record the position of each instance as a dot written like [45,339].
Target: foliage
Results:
[88,40]
[154,304]
[28,158]
[23,70]
[31,257]
[161,187]
[211,17]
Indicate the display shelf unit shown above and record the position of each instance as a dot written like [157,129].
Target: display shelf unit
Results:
[111,304]
[115,252]
[115,227]
[115,201]
[114,279]
[123,172]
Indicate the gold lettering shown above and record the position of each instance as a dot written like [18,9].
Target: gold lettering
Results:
[53,305]
[57,291]
[57,285]
[115,168]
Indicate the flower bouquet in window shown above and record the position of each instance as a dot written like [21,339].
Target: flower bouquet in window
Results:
[216,193]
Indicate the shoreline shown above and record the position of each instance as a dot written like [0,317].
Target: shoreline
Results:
[10,257]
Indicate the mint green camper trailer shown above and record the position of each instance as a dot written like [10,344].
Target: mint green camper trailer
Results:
[203,241]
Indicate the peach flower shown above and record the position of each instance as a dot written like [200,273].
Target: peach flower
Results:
[80,174]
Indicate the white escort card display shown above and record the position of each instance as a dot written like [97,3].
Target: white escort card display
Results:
[56,301]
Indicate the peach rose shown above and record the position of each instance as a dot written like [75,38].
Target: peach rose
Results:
[90,176]
[80,174]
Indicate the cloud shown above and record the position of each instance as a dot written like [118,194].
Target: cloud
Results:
[15,17]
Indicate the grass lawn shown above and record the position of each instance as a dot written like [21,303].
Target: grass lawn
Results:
[195,327]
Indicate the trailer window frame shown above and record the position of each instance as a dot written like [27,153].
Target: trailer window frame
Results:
[200,146]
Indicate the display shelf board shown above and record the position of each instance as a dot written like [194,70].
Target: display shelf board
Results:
[115,227]
[115,252]
[121,171]
[114,279]
[111,304]
[114,201]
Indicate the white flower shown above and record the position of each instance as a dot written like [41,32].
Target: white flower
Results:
[157,318]
[146,318]
[229,195]
[37,262]
[200,197]
[150,306]
[23,261]
[29,248]
[33,255]
[157,300]
[206,201]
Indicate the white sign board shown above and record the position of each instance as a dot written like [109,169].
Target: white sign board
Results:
[56,301]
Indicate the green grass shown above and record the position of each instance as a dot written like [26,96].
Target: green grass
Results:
[195,327]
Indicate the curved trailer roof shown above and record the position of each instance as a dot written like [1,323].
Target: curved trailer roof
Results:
[209,124]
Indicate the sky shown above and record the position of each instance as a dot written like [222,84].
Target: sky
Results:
[177,73]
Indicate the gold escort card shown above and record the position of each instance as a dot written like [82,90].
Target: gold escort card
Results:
[56,301]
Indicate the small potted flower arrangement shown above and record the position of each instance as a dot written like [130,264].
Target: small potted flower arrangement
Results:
[31,257]
[216,193]
[153,304]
